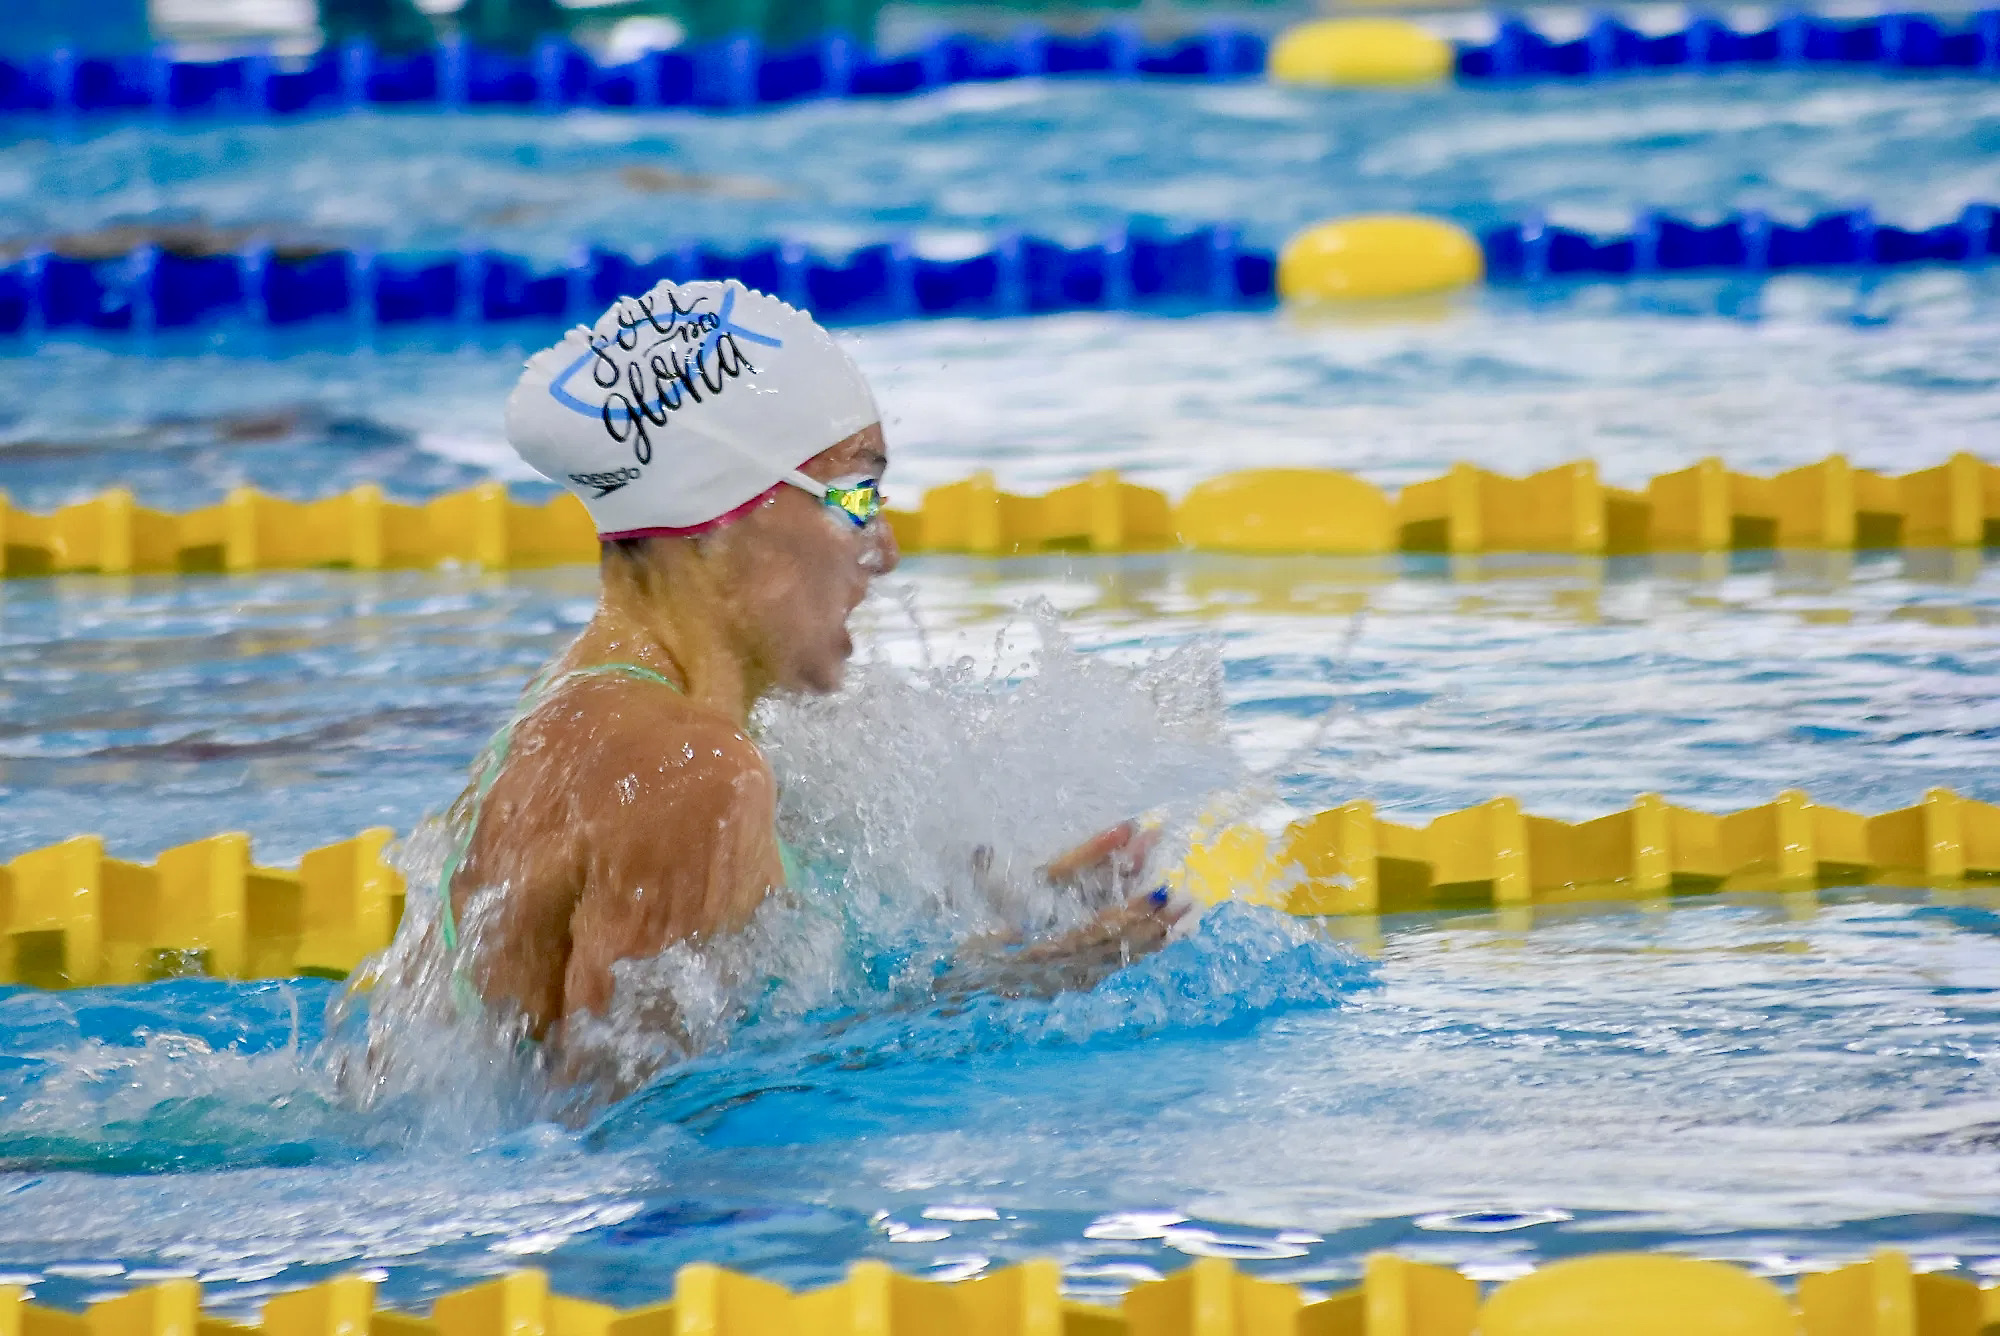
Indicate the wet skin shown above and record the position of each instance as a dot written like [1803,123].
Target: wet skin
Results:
[630,816]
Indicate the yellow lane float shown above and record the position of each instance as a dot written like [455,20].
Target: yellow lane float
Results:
[1626,1294]
[1707,507]
[72,915]
[1359,51]
[1377,256]
[1651,1294]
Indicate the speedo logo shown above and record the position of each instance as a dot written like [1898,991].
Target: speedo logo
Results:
[605,483]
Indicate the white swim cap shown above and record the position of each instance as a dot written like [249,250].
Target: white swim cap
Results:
[680,407]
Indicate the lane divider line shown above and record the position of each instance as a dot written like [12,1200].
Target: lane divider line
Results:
[739,73]
[1707,507]
[72,916]
[1580,1296]
[1369,257]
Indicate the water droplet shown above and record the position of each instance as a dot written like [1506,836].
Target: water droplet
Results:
[1207,1243]
[1489,1222]
[960,1213]
[958,1268]
[1132,1225]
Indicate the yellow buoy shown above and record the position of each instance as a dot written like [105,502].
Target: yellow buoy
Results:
[1359,51]
[1383,255]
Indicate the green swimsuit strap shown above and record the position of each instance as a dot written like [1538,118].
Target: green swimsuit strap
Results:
[495,757]
[790,861]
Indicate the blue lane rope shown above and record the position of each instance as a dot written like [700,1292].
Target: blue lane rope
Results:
[1969,43]
[740,73]
[1207,269]
[556,76]
[1750,242]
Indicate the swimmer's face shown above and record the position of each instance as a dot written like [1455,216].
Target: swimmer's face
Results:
[804,568]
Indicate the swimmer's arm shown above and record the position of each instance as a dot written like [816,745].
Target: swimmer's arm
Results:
[693,855]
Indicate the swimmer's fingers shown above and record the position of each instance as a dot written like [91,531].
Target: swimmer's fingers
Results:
[1129,863]
[1136,927]
[1092,853]
[1168,906]
[1116,857]
[1079,958]
[1147,921]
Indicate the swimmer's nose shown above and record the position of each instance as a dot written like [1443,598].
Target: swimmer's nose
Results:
[887,555]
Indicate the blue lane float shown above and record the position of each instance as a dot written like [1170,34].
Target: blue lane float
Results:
[1748,242]
[740,74]
[558,76]
[1902,42]
[1204,270]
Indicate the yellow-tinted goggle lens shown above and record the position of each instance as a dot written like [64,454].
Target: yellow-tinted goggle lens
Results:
[860,503]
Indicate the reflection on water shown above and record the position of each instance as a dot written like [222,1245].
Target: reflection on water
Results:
[1730,1077]
[305,706]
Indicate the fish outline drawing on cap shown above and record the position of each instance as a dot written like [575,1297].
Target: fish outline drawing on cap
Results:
[768,385]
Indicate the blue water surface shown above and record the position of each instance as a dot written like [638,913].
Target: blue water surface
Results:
[305,706]
[1773,1080]
[1892,371]
[1058,158]
[1740,1079]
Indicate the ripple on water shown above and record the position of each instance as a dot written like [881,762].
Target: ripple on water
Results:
[1789,1086]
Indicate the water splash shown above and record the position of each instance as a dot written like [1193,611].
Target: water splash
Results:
[401,1040]
[921,803]
[932,796]
[1244,966]
[161,1080]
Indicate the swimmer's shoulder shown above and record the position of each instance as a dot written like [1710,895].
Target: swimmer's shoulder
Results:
[676,809]
[650,740]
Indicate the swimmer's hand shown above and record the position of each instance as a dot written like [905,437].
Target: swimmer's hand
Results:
[1115,938]
[1106,867]
[1113,861]
[1073,961]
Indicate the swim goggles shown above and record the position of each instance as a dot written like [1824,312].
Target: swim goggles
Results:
[860,500]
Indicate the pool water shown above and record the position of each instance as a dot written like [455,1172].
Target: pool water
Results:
[302,707]
[1786,1081]
[1056,158]
[1743,1080]
[1750,1077]
[1647,377]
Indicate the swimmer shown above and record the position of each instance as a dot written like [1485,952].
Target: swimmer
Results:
[731,456]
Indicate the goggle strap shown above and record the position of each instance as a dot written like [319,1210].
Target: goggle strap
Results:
[805,482]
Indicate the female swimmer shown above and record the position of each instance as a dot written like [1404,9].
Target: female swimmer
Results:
[731,457]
